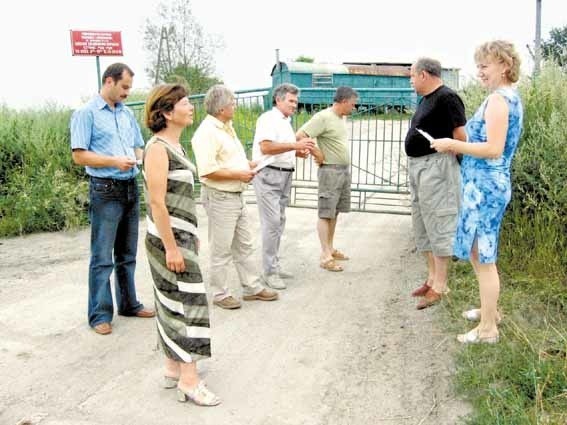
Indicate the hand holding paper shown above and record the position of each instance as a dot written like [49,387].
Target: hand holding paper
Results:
[426,135]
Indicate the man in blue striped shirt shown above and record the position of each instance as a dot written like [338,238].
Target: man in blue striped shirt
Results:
[106,139]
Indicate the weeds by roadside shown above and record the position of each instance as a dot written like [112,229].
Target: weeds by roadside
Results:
[41,189]
[523,378]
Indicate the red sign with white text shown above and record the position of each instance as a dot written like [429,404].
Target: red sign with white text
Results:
[96,43]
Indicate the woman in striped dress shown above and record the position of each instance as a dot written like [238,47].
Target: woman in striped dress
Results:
[172,244]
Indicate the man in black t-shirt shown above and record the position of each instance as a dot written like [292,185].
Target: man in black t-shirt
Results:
[434,177]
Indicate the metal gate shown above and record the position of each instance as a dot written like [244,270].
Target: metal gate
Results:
[377,131]
[378,162]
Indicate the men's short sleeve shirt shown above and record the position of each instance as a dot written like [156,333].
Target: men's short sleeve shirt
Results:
[331,133]
[98,128]
[438,113]
[275,127]
[216,147]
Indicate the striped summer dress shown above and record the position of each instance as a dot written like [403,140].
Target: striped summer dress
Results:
[180,298]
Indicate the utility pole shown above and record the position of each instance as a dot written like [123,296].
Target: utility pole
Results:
[159,64]
[537,56]
[279,65]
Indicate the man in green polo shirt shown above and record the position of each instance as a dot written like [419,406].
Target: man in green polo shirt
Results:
[332,154]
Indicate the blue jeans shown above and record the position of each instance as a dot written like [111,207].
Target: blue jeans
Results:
[114,216]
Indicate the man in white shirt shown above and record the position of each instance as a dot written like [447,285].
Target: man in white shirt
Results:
[275,140]
[225,173]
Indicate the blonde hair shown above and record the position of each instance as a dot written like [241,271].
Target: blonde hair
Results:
[503,52]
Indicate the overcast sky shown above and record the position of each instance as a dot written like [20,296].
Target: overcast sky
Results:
[37,65]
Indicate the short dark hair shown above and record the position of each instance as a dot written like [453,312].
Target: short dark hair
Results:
[162,98]
[431,66]
[115,71]
[344,93]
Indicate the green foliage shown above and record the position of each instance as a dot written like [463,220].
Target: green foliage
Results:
[195,79]
[523,378]
[555,49]
[135,96]
[175,40]
[306,59]
[472,94]
[536,220]
[40,188]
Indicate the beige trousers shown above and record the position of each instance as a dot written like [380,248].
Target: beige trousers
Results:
[230,240]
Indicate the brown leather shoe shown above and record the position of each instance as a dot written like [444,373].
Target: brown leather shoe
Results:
[421,291]
[228,303]
[264,295]
[145,312]
[103,328]
[430,298]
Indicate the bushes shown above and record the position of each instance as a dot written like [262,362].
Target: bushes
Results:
[537,221]
[40,188]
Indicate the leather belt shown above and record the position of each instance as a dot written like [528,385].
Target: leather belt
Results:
[287,170]
[114,181]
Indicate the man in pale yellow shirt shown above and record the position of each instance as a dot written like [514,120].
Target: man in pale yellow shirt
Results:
[225,173]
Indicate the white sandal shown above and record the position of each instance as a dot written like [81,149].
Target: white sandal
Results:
[199,395]
[169,382]
[474,315]
[473,337]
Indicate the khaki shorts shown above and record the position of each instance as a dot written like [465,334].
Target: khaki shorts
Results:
[435,186]
[334,190]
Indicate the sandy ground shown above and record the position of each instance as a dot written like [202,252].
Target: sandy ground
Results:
[337,348]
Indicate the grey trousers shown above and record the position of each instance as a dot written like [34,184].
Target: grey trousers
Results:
[435,184]
[230,239]
[272,189]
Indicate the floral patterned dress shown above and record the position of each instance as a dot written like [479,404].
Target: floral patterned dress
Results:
[485,184]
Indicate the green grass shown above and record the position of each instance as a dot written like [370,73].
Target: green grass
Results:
[523,378]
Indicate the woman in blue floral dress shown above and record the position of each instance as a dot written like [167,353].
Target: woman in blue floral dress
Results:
[492,138]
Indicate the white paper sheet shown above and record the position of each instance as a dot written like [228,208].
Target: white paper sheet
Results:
[426,135]
[265,160]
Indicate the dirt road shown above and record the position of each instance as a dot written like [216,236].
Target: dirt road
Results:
[337,348]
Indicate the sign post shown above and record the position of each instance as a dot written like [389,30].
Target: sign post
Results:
[96,43]
[98,72]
